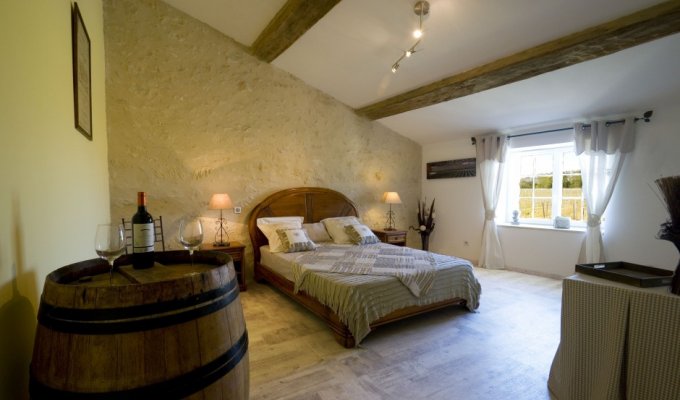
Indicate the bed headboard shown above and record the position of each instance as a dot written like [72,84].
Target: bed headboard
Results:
[312,203]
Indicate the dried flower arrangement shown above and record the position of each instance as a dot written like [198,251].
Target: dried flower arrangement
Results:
[670,190]
[670,230]
[425,222]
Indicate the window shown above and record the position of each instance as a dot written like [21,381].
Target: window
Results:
[544,182]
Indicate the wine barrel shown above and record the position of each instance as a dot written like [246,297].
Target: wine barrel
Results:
[172,331]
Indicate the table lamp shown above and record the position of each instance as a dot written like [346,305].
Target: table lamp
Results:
[220,201]
[391,198]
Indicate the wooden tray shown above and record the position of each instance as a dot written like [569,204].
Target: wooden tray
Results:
[629,273]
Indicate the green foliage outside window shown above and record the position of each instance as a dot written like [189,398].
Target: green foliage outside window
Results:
[572,181]
[539,188]
[536,186]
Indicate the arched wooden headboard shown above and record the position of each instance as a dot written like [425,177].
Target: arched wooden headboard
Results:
[312,203]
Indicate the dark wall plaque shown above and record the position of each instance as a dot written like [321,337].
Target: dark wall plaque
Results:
[452,168]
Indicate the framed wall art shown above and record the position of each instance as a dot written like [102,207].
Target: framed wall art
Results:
[82,81]
[452,168]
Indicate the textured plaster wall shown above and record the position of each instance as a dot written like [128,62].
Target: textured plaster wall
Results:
[54,181]
[635,210]
[459,216]
[191,113]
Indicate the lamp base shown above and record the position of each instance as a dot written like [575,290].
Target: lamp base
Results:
[221,232]
[390,220]
[389,229]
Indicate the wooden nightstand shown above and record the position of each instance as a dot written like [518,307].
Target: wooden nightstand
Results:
[396,237]
[236,251]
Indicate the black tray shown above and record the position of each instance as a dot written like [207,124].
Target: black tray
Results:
[629,273]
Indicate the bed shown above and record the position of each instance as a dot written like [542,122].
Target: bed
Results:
[378,300]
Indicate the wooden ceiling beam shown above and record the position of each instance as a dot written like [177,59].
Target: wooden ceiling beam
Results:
[634,29]
[291,22]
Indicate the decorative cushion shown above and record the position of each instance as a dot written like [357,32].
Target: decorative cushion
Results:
[361,234]
[295,240]
[317,232]
[270,225]
[336,228]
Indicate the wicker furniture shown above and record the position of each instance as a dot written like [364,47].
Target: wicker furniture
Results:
[617,342]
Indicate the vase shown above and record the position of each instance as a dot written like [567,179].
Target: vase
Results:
[425,240]
[675,282]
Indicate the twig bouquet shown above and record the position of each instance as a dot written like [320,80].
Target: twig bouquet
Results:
[670,230]
[425,223]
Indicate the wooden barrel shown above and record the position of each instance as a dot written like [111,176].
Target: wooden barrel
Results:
[172,331]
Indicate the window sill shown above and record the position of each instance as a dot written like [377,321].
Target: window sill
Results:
[576,229]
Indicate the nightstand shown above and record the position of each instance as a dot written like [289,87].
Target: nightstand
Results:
[236,251]
[396,237]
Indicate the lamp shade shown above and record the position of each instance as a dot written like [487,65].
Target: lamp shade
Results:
[391,198]
[220,201]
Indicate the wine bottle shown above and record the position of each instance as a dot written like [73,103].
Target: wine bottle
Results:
[143,235]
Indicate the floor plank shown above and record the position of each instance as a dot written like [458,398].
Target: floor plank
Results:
[502,351]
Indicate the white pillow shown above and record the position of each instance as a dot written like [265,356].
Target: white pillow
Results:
[336,228]
[317,232]
[361,234]
[269,225]
[295,240]
[277,220]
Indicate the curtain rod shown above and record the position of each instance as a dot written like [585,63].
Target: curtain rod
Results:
[645,117]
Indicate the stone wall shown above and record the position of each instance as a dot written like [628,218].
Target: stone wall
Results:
[191,113]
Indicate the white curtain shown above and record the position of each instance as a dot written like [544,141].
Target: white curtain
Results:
[491,151]
[601,149]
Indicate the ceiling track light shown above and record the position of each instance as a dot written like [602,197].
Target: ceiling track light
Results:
[421,9]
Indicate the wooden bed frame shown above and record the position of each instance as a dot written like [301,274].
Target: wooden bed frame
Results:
[315,204]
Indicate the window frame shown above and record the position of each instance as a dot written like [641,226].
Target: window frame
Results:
[511,192]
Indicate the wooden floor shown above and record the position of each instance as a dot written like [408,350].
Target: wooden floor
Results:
[503,351]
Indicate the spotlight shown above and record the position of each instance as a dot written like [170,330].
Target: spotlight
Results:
[421,8]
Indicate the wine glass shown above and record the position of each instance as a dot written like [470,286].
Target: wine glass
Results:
[109,243]
[191,234]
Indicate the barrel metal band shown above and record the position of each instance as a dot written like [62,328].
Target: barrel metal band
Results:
[175,388]
[136,318]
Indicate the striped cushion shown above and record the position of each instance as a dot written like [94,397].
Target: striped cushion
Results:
[336,228]
[361,234]
[295,240]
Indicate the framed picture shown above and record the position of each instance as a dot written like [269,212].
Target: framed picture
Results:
[452,168]
[82,82]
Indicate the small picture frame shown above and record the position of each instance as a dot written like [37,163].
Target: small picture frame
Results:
[82,76]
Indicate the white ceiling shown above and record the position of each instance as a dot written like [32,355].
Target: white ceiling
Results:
[349,52]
